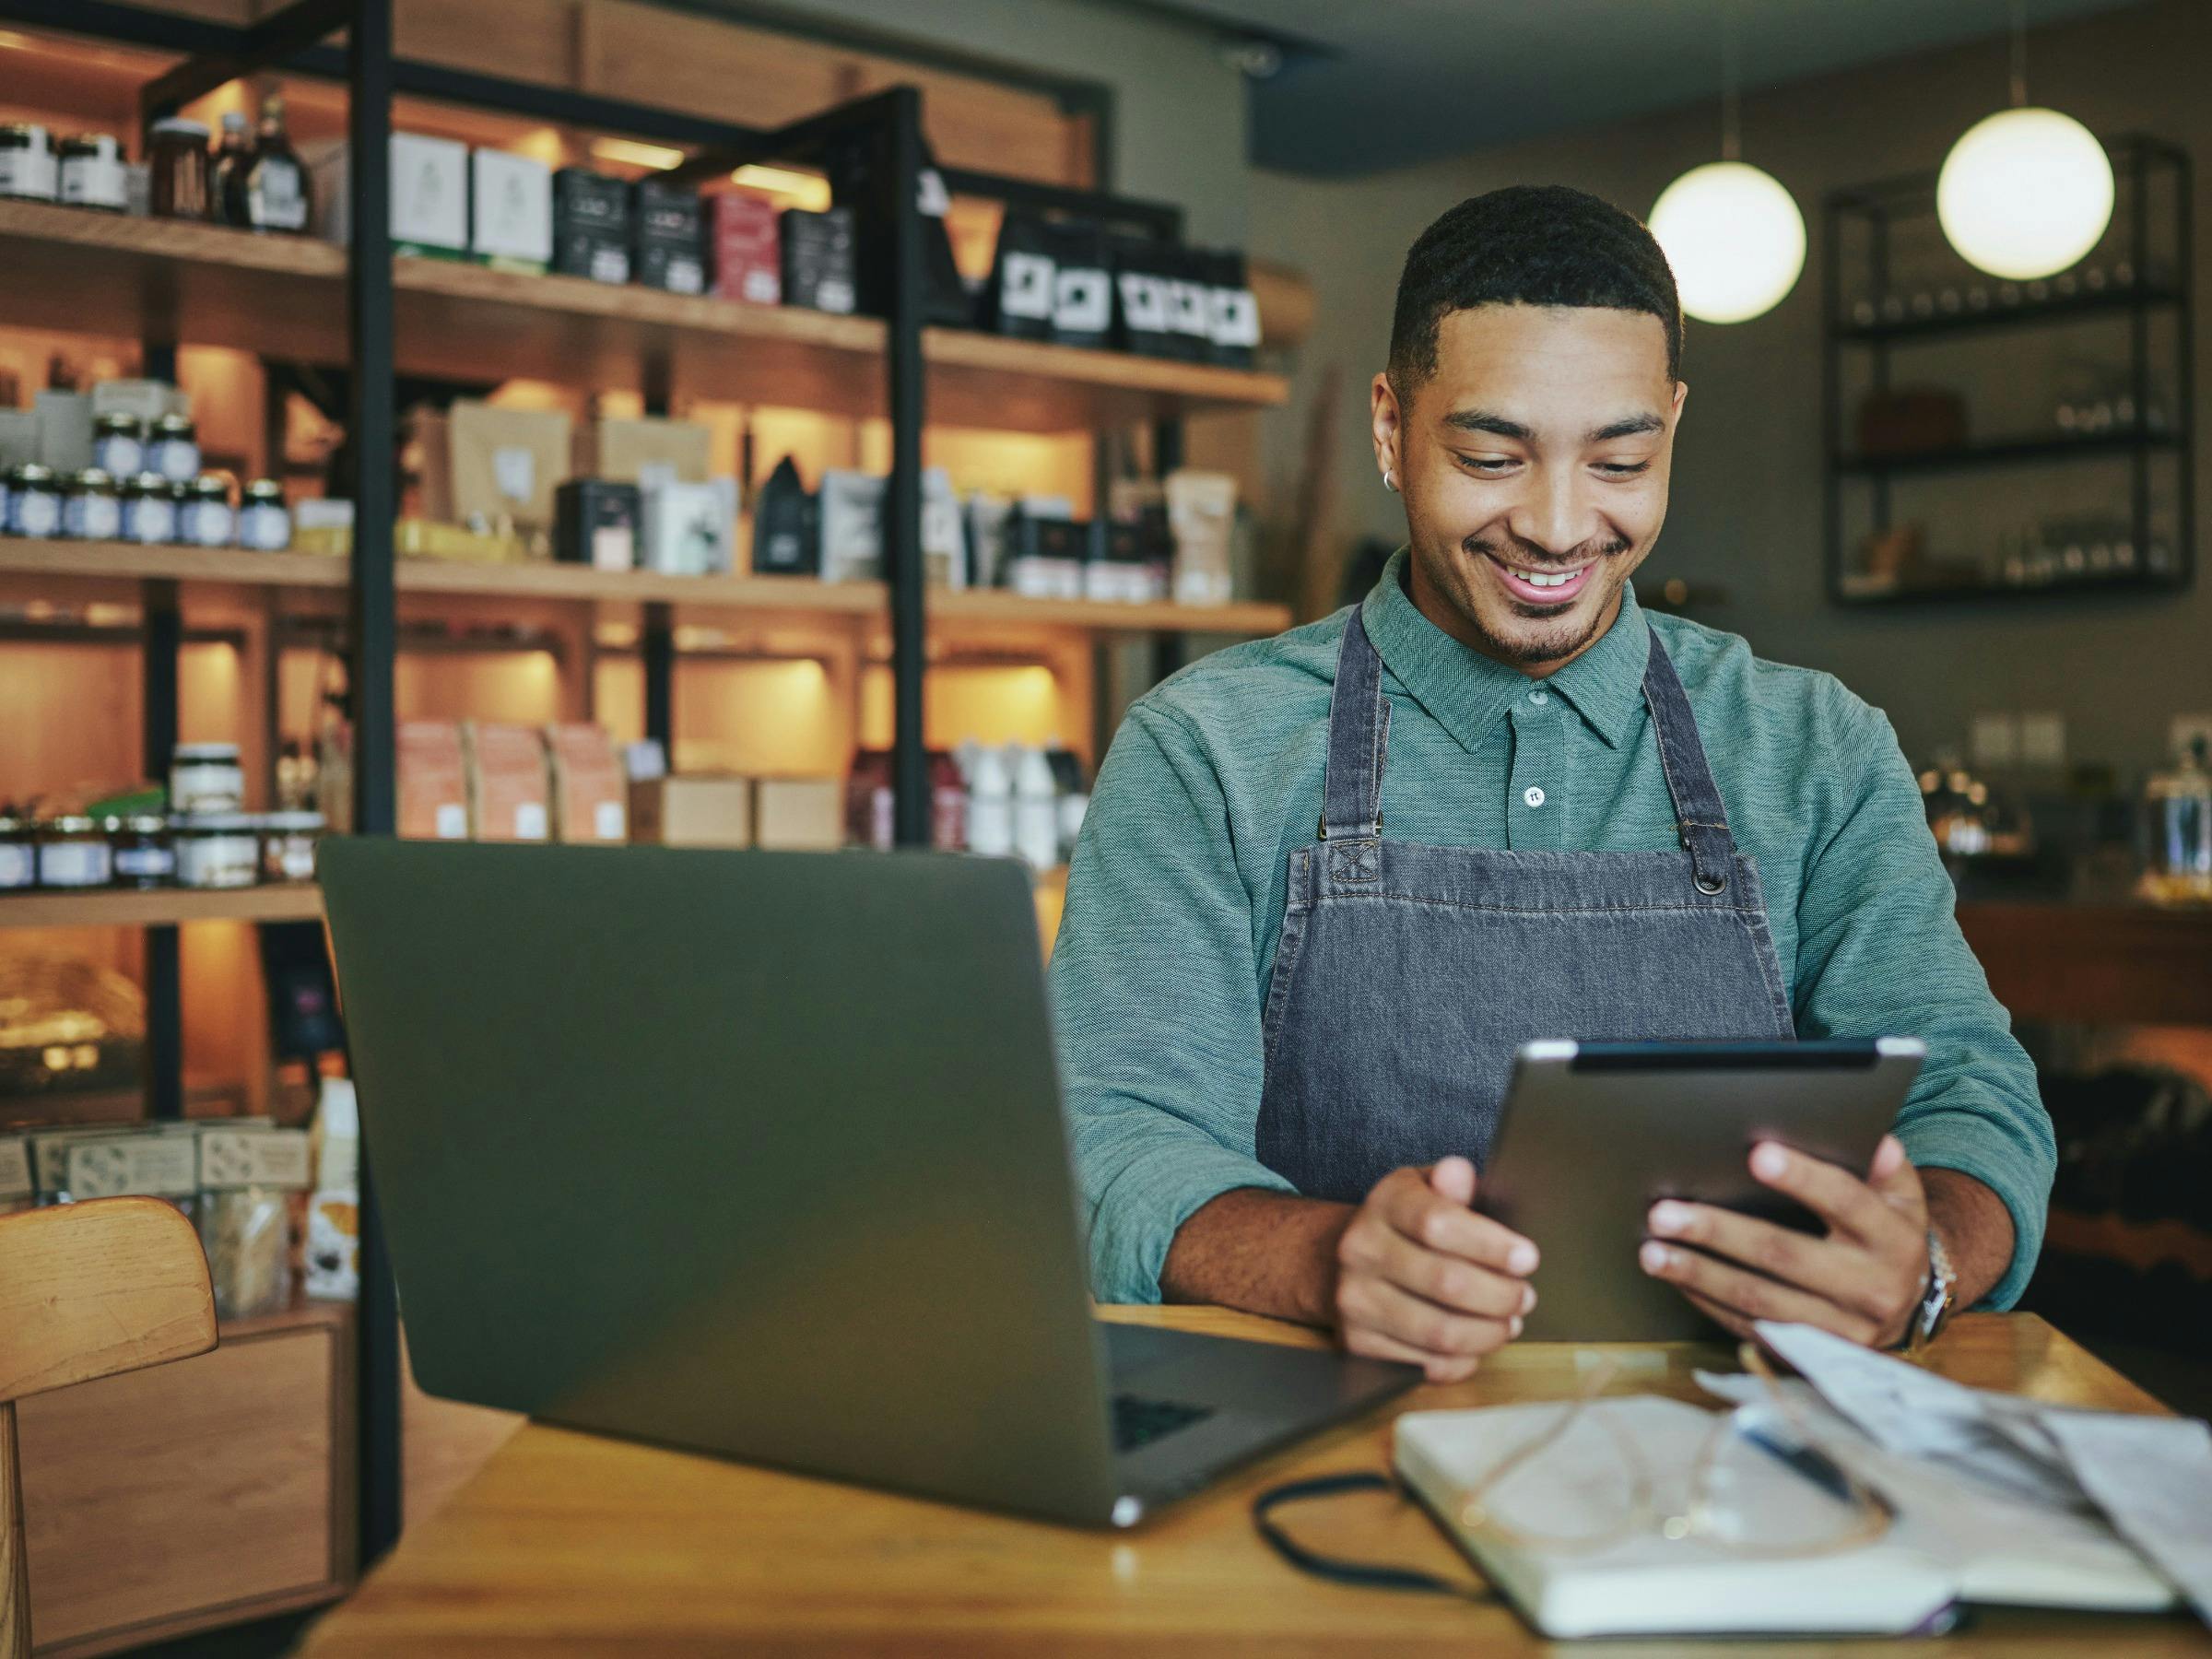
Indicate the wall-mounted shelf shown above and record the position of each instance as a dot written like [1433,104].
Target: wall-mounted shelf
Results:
[159,907]
[284,298]
[2010,453]
[781,595]
[2109,301]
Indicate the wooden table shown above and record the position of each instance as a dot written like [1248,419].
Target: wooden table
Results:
[570,1544]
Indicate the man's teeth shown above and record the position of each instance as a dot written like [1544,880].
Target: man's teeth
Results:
[1536,580]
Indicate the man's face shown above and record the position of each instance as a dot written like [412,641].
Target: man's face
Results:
[1533,464]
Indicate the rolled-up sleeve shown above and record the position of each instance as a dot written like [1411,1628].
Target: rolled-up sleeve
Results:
[1880,953]
[1156,1004]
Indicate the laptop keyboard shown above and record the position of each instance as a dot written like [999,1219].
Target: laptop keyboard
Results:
[1138,1421]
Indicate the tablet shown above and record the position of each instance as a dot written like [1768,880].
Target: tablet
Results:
[1593,1131]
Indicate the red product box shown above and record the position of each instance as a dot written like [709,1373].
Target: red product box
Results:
[748,260]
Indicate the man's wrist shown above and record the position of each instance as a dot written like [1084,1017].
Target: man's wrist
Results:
[1260,1251]
[1975,1229]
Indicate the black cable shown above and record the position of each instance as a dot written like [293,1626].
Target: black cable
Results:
[1373,1575]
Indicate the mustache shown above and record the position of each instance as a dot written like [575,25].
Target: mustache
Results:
[1527,555]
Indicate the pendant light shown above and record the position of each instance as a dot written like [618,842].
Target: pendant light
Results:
[1730,230]
[2026,191]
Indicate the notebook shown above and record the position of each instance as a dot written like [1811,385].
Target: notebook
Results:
[1952,1543]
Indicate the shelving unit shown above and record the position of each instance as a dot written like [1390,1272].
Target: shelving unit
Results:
[171,284]
[1881,240]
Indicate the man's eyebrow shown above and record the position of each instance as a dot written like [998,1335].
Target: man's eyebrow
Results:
[1635,426]
[1482,420]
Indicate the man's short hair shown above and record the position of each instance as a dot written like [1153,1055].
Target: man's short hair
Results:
[1528,244]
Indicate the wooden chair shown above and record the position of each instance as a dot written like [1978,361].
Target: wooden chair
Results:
[86,1291]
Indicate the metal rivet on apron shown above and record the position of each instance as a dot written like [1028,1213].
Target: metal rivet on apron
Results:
[1719,887]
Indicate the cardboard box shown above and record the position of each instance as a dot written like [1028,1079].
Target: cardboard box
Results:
[590,793]
[510,790]
[489,467]
[799,814]
[692,810]
[748,262]
[433,781]
[429,194]
[511,210]
[644,450]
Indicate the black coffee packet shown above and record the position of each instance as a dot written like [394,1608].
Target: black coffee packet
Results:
[786,541]
[1018,299]
[1141,320]
[1082,285]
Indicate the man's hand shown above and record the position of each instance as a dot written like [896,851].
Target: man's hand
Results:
[1863,1280]
[1421,1277]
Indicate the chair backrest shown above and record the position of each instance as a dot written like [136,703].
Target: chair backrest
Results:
[86,1291]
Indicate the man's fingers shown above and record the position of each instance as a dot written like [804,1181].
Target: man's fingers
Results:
[1728,1318]
[1749,1295]
[1836,1195]
[1836,1270]
[1423,1215]
[1437,1367]
[1451,1282]
[1893,1176]
[1452,1179]
[1377,1305]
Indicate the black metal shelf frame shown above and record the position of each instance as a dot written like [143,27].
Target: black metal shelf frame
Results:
[293,40]
[1880,206]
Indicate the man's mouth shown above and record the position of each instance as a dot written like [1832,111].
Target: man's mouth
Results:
[1532,586]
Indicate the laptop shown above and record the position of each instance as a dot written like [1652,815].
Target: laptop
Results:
[761,1153]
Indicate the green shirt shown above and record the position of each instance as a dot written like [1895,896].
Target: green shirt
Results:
[1175,897]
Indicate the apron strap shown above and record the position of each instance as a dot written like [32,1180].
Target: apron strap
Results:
[1700,817]
[1351,790]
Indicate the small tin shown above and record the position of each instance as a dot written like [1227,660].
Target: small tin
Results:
[34,502]
[264,522]
[119,444]
[148,510]
[173,449]
[90,509]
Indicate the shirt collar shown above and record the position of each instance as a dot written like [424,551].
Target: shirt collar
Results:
[1465,692]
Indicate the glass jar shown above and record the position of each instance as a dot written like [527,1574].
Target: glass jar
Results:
[178,152]
[208,520]
[28,166]
[119,444]
[173,449]
[90,509]
[18,854]
[34,502]
[288,845]
[206,778]
[140,852]
[148,510]
[73,853]
[2178,808]
[91,173]
[264,522]
[216,850]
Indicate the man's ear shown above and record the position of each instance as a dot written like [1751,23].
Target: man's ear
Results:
[1681,396]
[1383,408]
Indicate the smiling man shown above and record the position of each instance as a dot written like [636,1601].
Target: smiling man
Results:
[1330,881]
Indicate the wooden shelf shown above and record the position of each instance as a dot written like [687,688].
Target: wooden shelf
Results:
[113,907]
[2105,302]
[786,596]
[283,296]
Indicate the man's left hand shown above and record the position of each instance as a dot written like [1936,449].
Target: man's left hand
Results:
[1863,1279]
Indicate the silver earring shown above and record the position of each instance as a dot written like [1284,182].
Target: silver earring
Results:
[1390,478]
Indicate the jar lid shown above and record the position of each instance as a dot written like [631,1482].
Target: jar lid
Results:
[23,135]
[285,822]
[75,824]
[266,490]
[91,478]
[146,823]
[150,480]
[215,823]
[116,420]
[31,473]
[179,127]
[210,487]
[187,754]
[173,424]
[89,144]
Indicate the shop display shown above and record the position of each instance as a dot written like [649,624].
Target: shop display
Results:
[34,501]
[91,173]
[16,1189]
[151,1163]
[2176,812]
[288,845]
[798,814]
[19,854]
[206,518]
[990,802]
[141,853]
[860,180]
[146,510]
[644,450]
[850,515]
[118,443]
[786,525]
[28,168]
[91,510]
[1232,311]
[1045,554]
[64,423]
[245,1180]
[595,522]
[1018,299]
[74,854]
[667,248]
[692,810]
[748,262]
[818,259]
[687,529]
[264,522]
[216,850]
[205,777]
[590,793]
[1036,810]
[182,179]
[511,211]
[1202,510]
[429,195]
[433,781]
[488,467]
[509,796]
[233,157]
[1141,319]
[331,1250]
[173,449]
[276,193]
[590,225]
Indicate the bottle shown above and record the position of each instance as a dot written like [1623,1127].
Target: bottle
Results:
[947,804]
[1075,794]
[333,1251]
[2178,808]
[276,182]
[990,804]
[1036,808]
[233,158]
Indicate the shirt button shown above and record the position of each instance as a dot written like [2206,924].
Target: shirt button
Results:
[1539,698]
[1533,795]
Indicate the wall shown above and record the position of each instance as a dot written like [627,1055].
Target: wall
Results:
[1747,506]
[1178,122]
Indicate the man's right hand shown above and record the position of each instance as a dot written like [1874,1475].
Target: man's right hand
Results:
[1421,1277]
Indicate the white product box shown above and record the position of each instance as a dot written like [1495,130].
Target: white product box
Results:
[510,208]
[688,529]
[429,194]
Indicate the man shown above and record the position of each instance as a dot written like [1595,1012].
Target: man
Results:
[1330,880]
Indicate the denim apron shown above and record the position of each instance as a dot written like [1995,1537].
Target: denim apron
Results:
[1406,975]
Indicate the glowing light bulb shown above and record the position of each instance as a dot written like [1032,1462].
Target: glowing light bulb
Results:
[1734,239]
[2025,194]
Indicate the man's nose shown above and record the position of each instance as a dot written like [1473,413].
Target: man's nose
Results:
[1555,518]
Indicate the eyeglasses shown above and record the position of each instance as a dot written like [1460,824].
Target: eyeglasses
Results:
[1708,1514]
